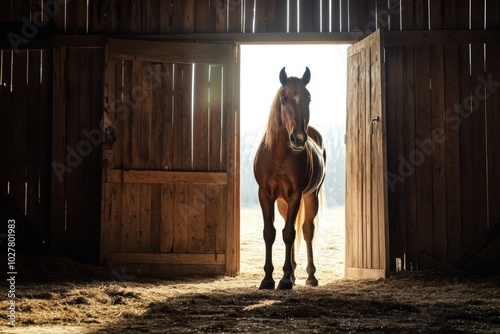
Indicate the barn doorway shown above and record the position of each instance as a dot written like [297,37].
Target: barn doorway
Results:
[259,69]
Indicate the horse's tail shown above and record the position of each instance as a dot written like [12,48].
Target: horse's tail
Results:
[299,220]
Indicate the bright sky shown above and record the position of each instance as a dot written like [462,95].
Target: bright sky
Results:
[260,67]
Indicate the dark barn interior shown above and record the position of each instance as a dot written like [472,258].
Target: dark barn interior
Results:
[84,180]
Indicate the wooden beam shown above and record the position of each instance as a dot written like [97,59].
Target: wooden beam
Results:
[410,37]
[167,258]
[164,177]
[184,53]
[441,37]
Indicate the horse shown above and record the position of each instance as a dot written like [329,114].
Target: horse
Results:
[290,167]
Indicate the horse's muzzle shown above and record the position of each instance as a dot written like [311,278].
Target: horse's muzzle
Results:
[298,141]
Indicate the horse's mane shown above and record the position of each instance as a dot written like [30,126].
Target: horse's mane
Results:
[293,87]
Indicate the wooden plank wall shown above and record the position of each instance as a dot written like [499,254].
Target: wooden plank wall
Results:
[25,125]
[76,152]
[442,104]
[465,196]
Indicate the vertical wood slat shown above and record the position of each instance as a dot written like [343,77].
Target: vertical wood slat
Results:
[234,18]
[449,15]
[125,114]
[365,152]
[196,230]
[325,17]
[136,116]
[34,156]
[421,15]
[453,169]
[81,23]
[493,135]
[380,231]
[45,143]
[466,163]
[260,15]
[248,16]
[344,16]
[96,158]
[5,100]
[204,17]
[292,16]
[395,151]
[355,74]
[184,16]
[436,144]
[309,16]
[136,16]
[86,150]
[395,15]
[423,161]
[216,118]
[148,84]
[58,194]
[407,14]
[478,118]
[151,16]
[221,16]
[437,14]
[73,237]
[166,16]
[336,20]
[409,146]
[201,117]
[17,156]
[276,16]
[5,116]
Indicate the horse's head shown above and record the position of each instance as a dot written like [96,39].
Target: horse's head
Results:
[294,100]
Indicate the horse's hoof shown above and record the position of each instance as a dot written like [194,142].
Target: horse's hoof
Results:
[312,282]
[267,285]
[285,285]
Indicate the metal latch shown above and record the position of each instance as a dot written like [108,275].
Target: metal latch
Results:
[109,137]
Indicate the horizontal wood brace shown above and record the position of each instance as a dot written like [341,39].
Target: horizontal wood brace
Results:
[171,52]
[441,37]
[168,258]
[165,177]
[364,273]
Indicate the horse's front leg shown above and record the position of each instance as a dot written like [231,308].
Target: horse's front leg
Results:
[267,205]
[311,206]
[289,238]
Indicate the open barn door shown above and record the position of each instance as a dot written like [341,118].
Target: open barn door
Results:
[170,181]
[367,237]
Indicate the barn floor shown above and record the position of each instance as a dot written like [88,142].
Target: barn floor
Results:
[61,296]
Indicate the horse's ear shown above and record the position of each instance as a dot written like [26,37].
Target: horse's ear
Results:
[283,76]
[306,77]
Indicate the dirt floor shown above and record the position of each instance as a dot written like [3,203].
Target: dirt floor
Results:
[61,296]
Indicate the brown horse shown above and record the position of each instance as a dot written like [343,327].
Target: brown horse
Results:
[290,167]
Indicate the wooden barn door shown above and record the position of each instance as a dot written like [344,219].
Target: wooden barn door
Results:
[169,179]
[367,244]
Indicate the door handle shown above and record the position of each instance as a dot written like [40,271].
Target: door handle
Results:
[374,119]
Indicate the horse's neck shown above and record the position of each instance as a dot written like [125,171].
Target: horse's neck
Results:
[281,147]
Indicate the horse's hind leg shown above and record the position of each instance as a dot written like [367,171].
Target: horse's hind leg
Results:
[311,210]
[267,205]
